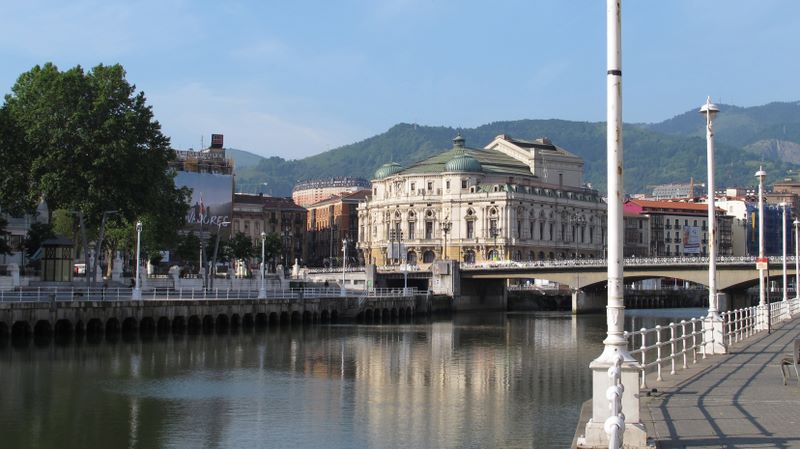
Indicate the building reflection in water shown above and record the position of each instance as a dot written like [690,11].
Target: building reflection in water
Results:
[483,380]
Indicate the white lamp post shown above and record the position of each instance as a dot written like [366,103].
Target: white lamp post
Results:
[796,259]
[615,344]
[713,323]
[343,292]
[762,292]
[262,290]
[785,300]
[137,289]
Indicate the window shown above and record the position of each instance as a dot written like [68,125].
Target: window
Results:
[411,230]
[428,256]
[641,224]
[695,222]
[464,186]
[519,229]
[430,185]
[413,186]
[493,231]
[470,229]
[530,229]
[686,222]
[550,231]
[447,184]
[428,230]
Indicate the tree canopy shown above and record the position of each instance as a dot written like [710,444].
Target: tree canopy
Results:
[87,141]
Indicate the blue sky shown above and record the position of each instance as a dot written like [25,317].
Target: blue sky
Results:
[294,78]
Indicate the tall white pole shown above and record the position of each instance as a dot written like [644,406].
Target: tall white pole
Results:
[762,294]
[344,265]
[614,342]
[615,345]
[796,258]
[783,234]
[137,290]
[262,290]
[710,111]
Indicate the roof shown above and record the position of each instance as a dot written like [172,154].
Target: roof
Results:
[272,202]
[671,206]
[492,162]
[542,143]
[350,198]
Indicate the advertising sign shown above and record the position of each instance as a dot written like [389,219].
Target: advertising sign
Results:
[691,240]
[211,203]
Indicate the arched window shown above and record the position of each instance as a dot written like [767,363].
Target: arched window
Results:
[493,255]
[428,256]
[411,258]
[469,256]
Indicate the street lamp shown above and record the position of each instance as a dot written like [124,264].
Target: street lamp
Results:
[344,265]
[713,322]
[785,302]
[262,290]
[213,268]
[446,225]
[762,294]
[578,222]
[796,258]
[494,231]
[137,290]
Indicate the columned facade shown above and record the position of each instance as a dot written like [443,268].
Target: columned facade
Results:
[479,205]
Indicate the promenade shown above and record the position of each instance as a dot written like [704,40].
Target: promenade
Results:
[736,400]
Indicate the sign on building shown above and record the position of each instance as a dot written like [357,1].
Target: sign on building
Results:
[211,203]
[691,240]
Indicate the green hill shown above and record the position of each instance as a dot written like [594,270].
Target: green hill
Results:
[650,157]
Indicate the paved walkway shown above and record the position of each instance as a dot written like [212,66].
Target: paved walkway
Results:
[732,401]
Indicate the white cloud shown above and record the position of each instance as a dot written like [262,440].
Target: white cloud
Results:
[194,110]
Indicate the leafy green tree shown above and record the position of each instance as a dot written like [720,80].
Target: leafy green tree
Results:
[188,248]
[87,141]
[241,247]
[38,233]
[5,248]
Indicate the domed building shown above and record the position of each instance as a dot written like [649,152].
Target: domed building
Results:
[511,200]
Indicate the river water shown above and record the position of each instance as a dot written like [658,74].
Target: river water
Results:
[489,380]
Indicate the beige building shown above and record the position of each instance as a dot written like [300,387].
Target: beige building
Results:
[514,199]
[306,193]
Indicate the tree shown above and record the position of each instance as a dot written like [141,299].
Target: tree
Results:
[241,246]
[5,248]
[188,247]
[87,141]
[38,233]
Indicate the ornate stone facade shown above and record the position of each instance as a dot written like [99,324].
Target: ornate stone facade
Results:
[512,200]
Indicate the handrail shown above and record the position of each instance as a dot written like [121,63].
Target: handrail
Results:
[55,294]
[628,261]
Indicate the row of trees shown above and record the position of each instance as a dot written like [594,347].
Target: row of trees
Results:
[87,144]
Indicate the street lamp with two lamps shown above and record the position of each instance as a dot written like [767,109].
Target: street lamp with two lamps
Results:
[762,260]
[446,226]
[262,290]
[137,289]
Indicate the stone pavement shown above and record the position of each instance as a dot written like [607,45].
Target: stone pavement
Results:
[736,400]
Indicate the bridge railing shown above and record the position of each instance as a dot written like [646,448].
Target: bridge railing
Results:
[628,261]
[52,294]
[676,345]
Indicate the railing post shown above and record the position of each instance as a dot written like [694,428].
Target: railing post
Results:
[644,356]
[672,348]
[658,353]
[683,339]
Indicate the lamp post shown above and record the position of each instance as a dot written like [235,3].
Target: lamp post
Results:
[796,259]
[446,225]
[137,289]
[494,231]
[390,252]
[213,268]
[713,322]
[785,301]
[262,290]
[762,293]
[615,343]
[578,222]
[344,265]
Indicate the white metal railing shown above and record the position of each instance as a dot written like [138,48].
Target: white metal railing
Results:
[615,423]
[676,344]
[51,294]
[628,261]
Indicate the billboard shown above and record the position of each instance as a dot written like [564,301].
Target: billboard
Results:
[691,240]
[211,203]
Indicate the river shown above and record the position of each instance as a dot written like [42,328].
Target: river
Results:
[488,380]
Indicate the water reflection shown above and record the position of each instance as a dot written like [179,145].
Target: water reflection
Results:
[483,380]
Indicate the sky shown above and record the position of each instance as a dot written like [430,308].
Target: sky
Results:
[295,78]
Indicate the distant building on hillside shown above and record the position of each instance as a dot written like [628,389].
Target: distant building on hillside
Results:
[671,191]
[306,193]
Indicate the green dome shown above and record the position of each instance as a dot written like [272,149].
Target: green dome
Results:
[387,170]
[463,163]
